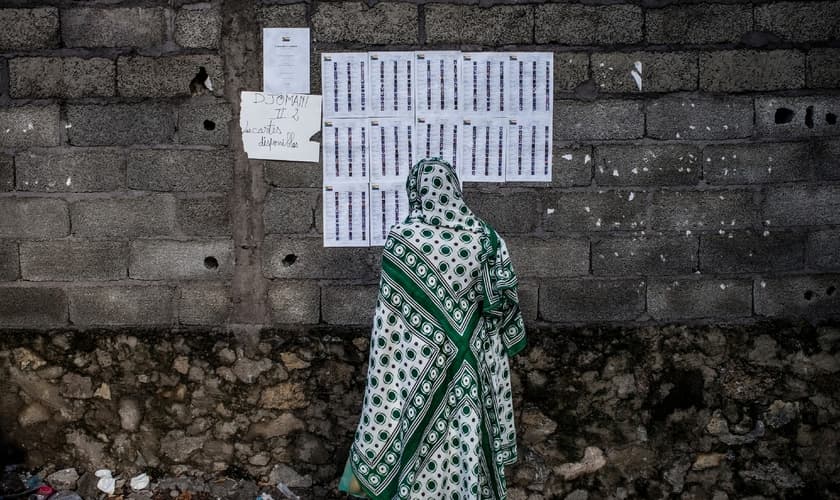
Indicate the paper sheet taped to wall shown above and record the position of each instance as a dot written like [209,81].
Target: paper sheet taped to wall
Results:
[279,126]
[346,214]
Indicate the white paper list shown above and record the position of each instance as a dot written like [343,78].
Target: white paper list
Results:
[529,150]
[484,83]
[483,149]
[345,146]
[286,60]
[391,148]
[344,78]
[388,206]
[346,212]
[437,75]
[531,82]
[391,84]
[438,136]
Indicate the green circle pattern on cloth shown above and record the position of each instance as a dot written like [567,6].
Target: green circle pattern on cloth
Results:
[437,418]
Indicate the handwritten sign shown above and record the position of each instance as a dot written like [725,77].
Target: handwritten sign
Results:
[279,126]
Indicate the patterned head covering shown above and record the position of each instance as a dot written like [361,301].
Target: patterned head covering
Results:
[434,196]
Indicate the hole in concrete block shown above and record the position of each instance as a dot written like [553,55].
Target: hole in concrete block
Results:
[209,125]
[784,115]
[211,262]
[198,84]
[809,294]
[289,259]
[831,118]
[809,117]
[830,290]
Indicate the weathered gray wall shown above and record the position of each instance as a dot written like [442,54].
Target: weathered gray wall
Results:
[127,203]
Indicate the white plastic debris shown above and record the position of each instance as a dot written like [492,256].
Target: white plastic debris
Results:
[140,481]
[106,482]
[208,84]
[264,496]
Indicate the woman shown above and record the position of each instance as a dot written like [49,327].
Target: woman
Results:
[437,419]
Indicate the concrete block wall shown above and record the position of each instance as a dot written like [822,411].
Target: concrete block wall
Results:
[711,193]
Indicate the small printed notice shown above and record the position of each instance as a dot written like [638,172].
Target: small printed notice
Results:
[483,149]
[391,148]
[286,60]
[346,145]
[529,150]
[388,206]
[279,126]
[346,214]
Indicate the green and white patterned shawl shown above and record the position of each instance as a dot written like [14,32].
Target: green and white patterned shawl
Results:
[437,420]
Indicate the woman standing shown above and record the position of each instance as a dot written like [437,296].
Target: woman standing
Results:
[437,419]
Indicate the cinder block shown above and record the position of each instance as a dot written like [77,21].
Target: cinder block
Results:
[588,299]
[570,70]
[69,260]
[698,24]
[751,251]
[7,173]
[571,166]
[113,27]
[825,158]
[40,77]
[139,76]
[180,170]
[348,305]
[575,24]
[660,71]
[288,15]
[291,212]
[307,258]
[529,297]
[756,163]
[181,260]
[690,297]
[70,170]
[204,303]
[120,124]
[824,249]
[586,211]
[32,307]
[472,24]
[35,218]
[823,68]
[507,212]
[197,26]
[698,118]
[122,305]
[703,210]
[128,217]
[33,28]
[549,258]
[647,165]
[203,122]
[348,22]
[797,116]
[647,255]
[297,302]
[29,125]
[203,215]
[598,120]
[800,21]
[811,296]
[740,70]
[801,205]
[9,261]
[293,174]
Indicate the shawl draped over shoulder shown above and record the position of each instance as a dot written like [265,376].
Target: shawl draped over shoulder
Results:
[437,418]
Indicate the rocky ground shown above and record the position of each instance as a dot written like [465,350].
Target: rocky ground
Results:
[70,484]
